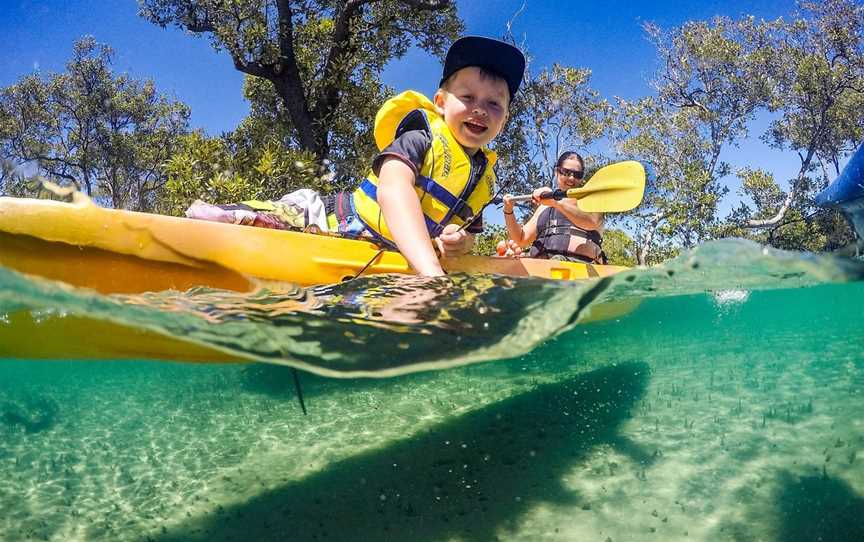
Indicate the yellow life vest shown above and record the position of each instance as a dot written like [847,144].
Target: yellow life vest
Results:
[442,184]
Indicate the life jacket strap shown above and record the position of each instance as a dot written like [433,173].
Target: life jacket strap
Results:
[457,205]
[368,188]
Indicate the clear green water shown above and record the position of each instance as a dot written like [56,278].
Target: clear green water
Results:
[729,405]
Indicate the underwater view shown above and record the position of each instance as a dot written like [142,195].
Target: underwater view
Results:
[719,396]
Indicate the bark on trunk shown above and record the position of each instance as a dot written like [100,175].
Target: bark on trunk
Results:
[647,238]
[790,197]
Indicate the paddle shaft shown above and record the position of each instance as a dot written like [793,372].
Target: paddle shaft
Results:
[557,195]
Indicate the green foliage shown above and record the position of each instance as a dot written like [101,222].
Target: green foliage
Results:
[817,65]
[315,65]
[760,187]
[826,230]
[553,112]
[485,243]
[208,169]
[804,226]
[14,181]
[620,249]
[715,68]
[817,73]
[709,87]
[714,76]
[103,133]
[683,188]
[353,146]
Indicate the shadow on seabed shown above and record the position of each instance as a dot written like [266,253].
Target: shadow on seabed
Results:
[469,477]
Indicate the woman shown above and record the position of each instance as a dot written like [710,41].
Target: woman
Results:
[558,230]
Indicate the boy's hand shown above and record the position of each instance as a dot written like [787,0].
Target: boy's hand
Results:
[453,241]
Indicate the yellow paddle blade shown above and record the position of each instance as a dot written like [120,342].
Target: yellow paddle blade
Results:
[612,189]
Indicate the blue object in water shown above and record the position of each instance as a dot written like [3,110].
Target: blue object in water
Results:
[847,191]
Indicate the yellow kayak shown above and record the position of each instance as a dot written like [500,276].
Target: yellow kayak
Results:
[115,251]
[123,252]
[112,251]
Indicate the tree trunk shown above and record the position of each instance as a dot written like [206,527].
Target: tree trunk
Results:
[647,238]
[311,132]
[308,104]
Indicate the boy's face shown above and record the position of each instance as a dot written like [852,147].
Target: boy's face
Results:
[474,107]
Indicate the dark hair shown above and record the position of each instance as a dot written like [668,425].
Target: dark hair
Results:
[570,154]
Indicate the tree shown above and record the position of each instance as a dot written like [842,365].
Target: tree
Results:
[104,134]
[350,155]
[211,169]
[322,59]
[820,230]
[12,181]
[682,192]
[619,248]
[555,111]
[817,73]
[708,88]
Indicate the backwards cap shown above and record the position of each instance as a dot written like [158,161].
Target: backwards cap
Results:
[496,56]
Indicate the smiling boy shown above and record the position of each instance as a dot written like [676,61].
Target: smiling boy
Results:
[434,170]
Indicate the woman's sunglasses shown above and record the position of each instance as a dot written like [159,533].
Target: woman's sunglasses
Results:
[573,174]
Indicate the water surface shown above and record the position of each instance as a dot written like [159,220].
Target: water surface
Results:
[725,405]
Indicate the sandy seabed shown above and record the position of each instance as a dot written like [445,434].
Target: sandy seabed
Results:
[708,428]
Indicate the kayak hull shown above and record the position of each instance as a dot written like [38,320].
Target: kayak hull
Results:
[22,336]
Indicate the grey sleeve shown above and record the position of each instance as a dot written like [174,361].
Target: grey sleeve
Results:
[410,147]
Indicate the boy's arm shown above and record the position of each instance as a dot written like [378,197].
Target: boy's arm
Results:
[404,217]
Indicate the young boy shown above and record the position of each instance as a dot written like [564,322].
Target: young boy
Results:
[434,172]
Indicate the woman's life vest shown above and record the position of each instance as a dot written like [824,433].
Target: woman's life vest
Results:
[448,187]
[556,235]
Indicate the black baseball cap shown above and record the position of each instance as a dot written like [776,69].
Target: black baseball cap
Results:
[496,56]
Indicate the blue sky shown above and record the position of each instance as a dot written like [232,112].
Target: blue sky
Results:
[604,36]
